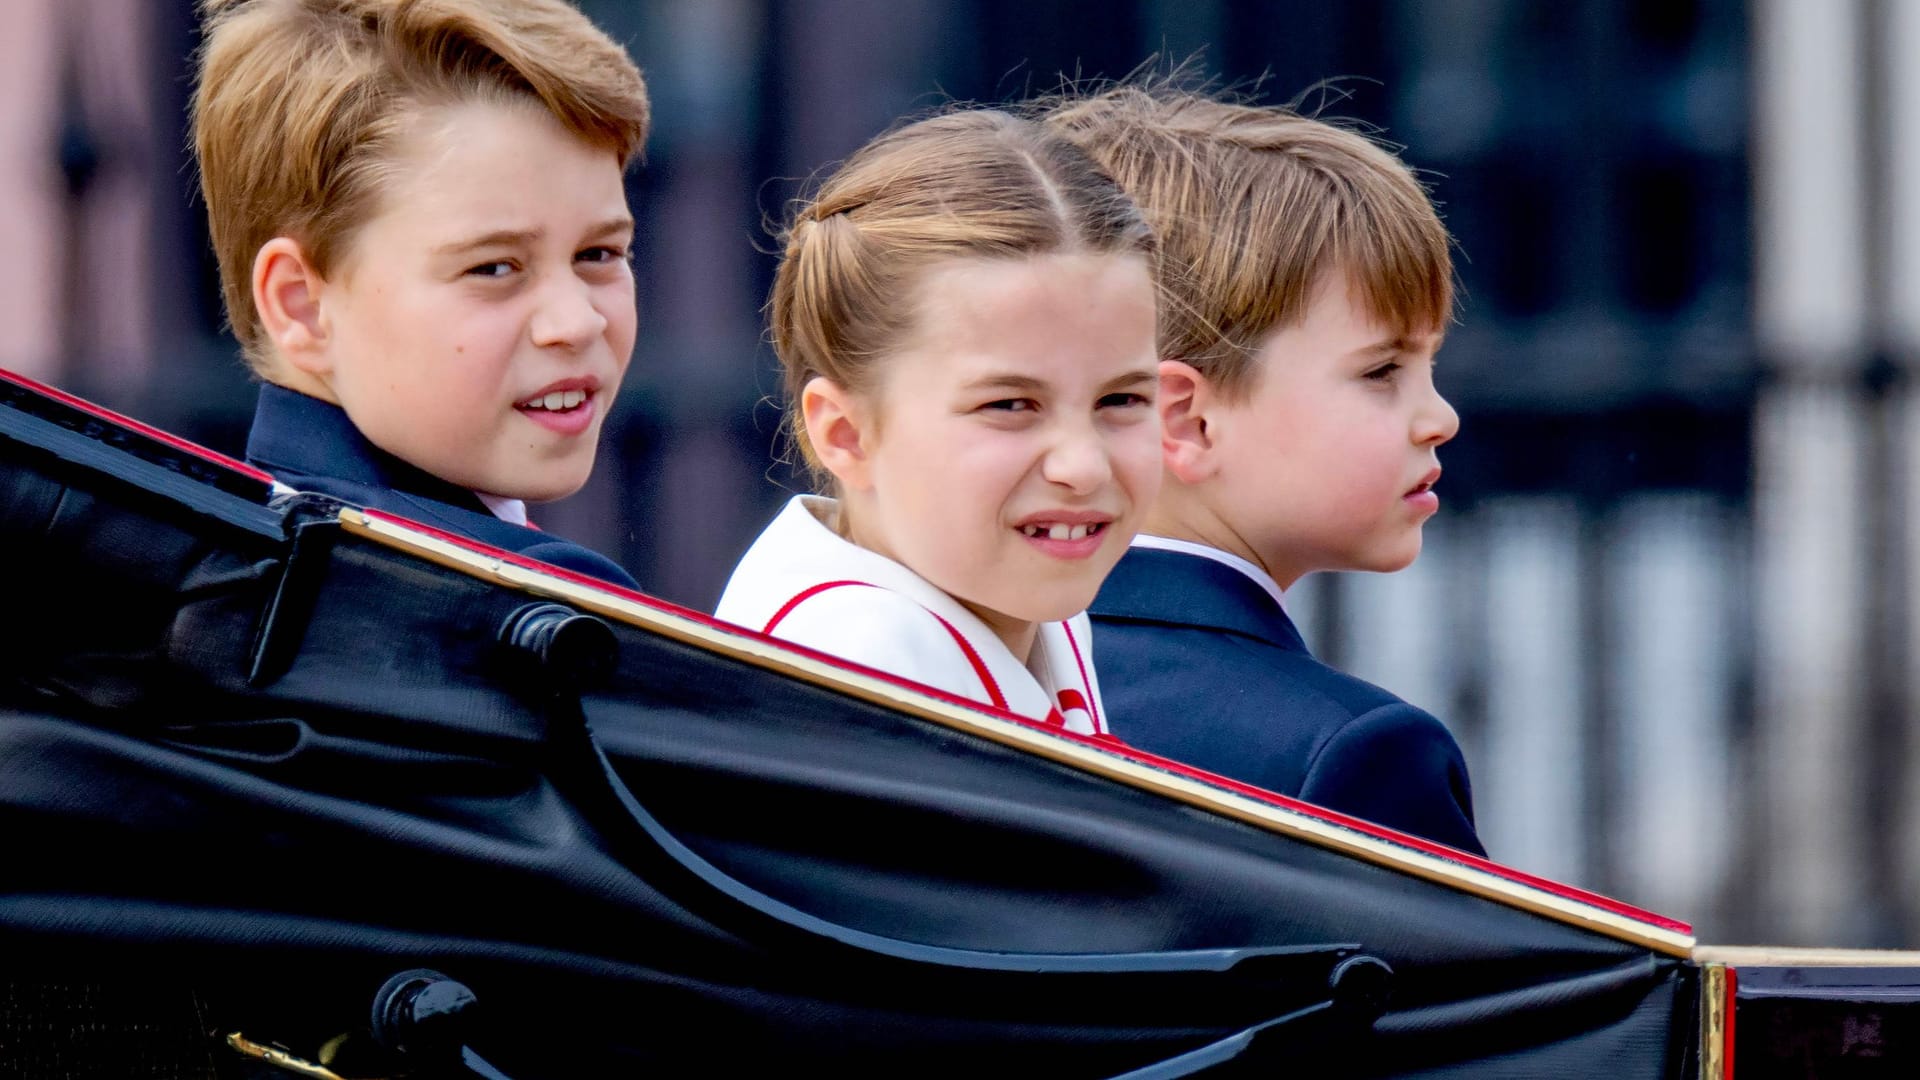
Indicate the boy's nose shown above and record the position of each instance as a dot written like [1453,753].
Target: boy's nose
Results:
[567,317]
[1436,422]
[1078,461]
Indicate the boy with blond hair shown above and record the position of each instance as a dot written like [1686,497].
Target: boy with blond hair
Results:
[1306,283]
[420,216]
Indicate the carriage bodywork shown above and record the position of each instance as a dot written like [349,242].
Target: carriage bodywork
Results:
[271,756]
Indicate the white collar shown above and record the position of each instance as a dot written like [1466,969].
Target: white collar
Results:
[1225,558]
[799,550]
[511,511]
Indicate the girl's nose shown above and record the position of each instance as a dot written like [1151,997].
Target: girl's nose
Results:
[1078,461]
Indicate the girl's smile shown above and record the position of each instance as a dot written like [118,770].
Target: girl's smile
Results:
[1067,534]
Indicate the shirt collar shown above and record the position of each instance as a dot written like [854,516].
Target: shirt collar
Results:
[299,435]
[512,511]
[1225,558]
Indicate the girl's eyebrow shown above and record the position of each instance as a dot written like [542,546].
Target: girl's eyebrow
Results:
[1007,381]
[1029,384]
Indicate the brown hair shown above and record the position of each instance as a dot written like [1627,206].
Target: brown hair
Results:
[301,102]
[1253,206]
[968,182]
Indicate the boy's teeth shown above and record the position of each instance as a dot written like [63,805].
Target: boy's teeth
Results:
[559,399]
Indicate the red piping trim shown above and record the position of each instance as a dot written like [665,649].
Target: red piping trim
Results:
[979,666]
[131,424]
[1099,725]
[787,608]
[998,699]
[1101,742]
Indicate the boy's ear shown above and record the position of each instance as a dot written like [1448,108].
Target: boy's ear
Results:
[1187,404]
[837,424]
[286,293]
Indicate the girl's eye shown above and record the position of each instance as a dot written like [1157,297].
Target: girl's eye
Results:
[1012,405]
[497,269]
[603,254]
[1384,373]
[1125,399]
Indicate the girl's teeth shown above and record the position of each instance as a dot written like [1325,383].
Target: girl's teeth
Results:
[1060,532]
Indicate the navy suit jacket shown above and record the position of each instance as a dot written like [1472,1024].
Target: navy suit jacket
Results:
[1198,663]
[311,445]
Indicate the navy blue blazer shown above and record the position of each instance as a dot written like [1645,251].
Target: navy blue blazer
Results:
[311,445]
[1199,664]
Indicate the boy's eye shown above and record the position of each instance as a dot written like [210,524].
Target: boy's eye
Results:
[603,254]
[1384,373]
[497,269]
[1123,400]
[1012,405]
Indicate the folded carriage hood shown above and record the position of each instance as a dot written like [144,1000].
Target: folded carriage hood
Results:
[274,750]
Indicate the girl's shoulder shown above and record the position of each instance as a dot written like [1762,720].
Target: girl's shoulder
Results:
[873,625]
[801,582]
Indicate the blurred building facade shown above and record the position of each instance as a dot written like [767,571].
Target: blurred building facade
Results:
[1669,605]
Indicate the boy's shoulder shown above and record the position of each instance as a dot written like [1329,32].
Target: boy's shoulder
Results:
[1204,666]
[311,445]
[1200,626]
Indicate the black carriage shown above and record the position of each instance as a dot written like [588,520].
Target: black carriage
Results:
[290,787]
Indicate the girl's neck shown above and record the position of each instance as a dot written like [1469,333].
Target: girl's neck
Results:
[1017,635]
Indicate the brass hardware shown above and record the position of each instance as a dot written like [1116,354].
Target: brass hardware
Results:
[280,1059]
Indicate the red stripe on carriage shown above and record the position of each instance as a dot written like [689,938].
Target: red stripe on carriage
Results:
[128,422]
[1732,985]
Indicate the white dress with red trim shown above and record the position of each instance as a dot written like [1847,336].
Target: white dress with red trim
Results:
[803,582]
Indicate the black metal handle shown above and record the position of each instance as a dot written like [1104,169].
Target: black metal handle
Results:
[569,652]
[424,1018]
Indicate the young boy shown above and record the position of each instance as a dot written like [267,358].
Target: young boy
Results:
[421,223]
[1306,283]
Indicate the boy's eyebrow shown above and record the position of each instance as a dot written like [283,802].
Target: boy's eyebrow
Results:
[522,237]
[1141,375]
[1401,343]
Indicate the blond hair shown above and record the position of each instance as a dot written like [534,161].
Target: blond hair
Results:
[301,104]
[977,183]
[1254,206]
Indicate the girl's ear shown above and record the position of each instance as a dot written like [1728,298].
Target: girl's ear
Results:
[1187,404]
[286,293]
[838,426]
